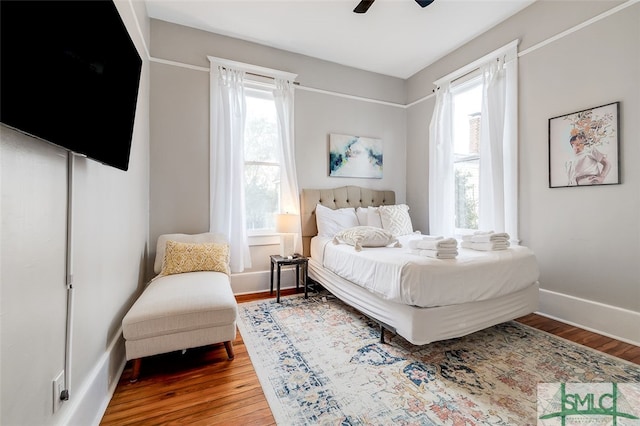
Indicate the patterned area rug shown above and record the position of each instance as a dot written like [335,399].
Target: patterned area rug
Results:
[320,362]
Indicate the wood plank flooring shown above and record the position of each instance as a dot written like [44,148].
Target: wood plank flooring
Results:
[202,387]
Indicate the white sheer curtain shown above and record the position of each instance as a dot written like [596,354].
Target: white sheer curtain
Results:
[283,96]
[441,174]
[227,212]
[498,206]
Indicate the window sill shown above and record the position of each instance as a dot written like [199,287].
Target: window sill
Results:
[264,240]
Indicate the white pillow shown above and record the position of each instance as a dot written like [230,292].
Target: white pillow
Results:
[365,236]
[361,213]
[373,217]
[395,219]
[330,221]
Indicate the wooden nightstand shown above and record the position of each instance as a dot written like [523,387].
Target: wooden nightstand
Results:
[297,261]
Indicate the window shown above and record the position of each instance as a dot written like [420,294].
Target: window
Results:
[251,169]
[261,162]
[467,102]
[473,147]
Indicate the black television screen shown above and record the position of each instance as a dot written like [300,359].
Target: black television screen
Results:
[69,75]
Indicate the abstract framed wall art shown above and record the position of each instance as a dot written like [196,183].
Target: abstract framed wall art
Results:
[584,147]
[355,156]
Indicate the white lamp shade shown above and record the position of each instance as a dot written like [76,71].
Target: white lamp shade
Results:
[287,225]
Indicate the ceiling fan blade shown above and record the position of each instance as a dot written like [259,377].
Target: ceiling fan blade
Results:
[364,5]
[424,3]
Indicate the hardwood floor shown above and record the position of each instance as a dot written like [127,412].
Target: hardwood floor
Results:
[596,341]
[202,387]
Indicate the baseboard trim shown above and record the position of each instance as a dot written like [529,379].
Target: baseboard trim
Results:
[88,403]
[610,321]
[260,281]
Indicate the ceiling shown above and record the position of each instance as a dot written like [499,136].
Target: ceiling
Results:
[395,37]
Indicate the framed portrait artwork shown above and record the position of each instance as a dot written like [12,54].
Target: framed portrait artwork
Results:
[584,147]
[355,156]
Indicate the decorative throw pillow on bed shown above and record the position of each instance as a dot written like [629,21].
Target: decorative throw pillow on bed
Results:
[194,257]
[365,236]
[395,219]
[330,221]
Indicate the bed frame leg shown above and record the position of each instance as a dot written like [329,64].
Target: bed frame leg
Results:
[382,334]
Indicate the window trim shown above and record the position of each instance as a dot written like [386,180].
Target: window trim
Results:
[461,72]
[254,71]
[263,239]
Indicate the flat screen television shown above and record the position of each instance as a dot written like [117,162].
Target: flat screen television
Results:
[70,75]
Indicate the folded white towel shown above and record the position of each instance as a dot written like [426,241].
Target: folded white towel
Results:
[488,246]
[451,250]
[445,243]
[432,237]
[436,254]
[485,238]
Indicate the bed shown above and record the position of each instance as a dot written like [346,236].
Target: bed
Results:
[447,299]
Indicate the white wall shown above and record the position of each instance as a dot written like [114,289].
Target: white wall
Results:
[180,128]
[587,240]
[111,229]
[33,296]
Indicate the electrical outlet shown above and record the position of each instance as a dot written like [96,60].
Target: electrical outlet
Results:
[58,387]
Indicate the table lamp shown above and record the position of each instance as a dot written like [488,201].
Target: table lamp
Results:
[287,227]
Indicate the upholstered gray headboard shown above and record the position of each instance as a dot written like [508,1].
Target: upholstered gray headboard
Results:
[336,198]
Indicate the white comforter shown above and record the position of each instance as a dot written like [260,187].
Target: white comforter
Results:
[397,275]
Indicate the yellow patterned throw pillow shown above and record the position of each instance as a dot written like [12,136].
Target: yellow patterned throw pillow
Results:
[194,257]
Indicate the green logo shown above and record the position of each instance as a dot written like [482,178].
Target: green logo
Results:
[586,403]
